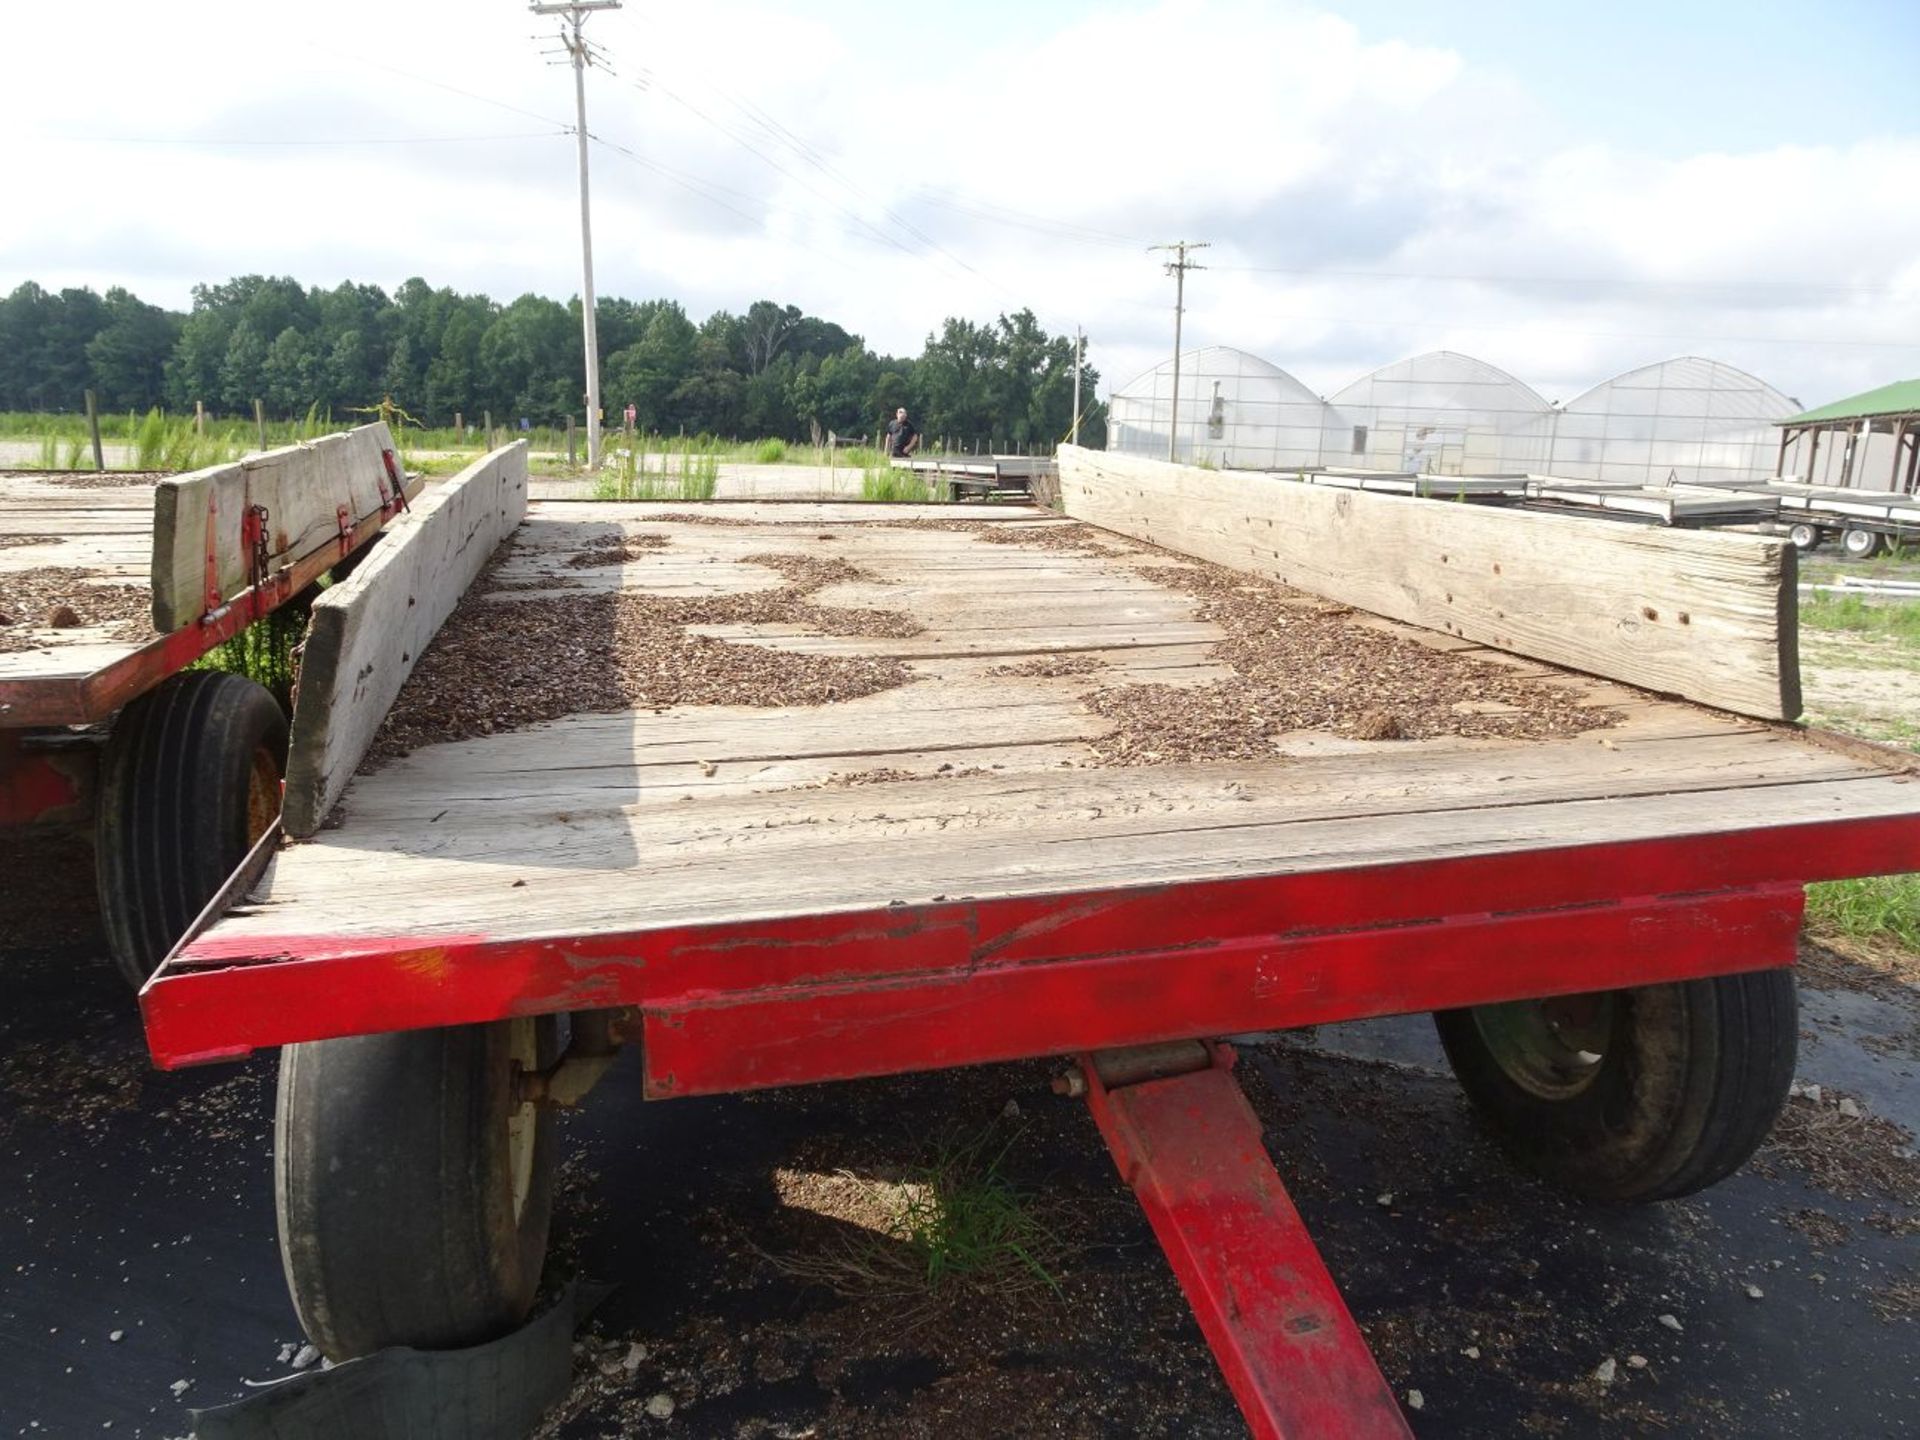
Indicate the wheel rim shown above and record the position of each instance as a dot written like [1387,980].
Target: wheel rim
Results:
[523,1049]
[1860,542]
[1804,536]
[1550,1048]
[263,794]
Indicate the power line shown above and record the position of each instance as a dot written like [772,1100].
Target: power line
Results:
[303,142]
[1335,321]
[783,134]
[1599,282]
[439,84]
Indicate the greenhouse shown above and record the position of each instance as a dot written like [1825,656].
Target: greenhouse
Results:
[1444,414]
[1236,410]
[1685,420]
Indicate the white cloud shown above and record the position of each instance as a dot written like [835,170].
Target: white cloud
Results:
[1288,137]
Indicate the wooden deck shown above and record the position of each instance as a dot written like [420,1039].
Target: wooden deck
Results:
[608,824]
[107,531]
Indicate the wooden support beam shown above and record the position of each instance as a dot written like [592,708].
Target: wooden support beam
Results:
[313,495]
[1704,614]
[369,631]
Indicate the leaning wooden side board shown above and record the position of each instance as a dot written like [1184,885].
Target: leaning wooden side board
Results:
[368,632]
[1707,615]
[312,493]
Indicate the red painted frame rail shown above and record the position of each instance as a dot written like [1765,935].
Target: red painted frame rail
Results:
[1189,1147]
[84,699]
[760,1003]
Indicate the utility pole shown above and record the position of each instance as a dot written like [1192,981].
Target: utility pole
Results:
[1079,348]
[576,12]
[1178,267]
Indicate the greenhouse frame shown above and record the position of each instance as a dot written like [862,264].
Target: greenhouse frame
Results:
[1682,421]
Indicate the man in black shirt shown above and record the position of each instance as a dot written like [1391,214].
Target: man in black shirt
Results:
[902,438]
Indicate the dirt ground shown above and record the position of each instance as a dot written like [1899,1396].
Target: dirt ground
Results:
[1863,684]
[139,1207]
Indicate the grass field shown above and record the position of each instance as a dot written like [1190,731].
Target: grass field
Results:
[1895,620]
[1883,908]
[159,440]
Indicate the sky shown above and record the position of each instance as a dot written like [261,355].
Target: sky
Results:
[1565,191]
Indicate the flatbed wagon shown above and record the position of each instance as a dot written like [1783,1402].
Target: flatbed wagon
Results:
[112,588]
[890,791]
[980,477]
[1864,521]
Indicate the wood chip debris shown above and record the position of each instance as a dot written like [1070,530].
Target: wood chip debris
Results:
[104,479]
[695,517]
[36,604]
[1857,1155]
[887,774]
[1048,667]
[617,550]
[1896,1300]
[501,665]
[1072,537]
[1305,664]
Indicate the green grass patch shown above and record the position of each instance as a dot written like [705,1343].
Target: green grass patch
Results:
[264,652]
[770,452]
[964,1221]
[689,472]
[1879,907]
[882,482]
[954,1224]
[438,464]
[1853,614]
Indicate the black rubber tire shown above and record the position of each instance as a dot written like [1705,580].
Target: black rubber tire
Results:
[1861,544]
[178,808]
[393,1188]
[1691,1079]
[1806,538]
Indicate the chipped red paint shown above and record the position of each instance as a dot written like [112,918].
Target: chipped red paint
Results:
[857,993]
[1261,982]
[1189,1146]
[42,788]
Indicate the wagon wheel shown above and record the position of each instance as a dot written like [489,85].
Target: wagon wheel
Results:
[413,1185]
[190,780]
[1805,536]
[1632,1095]
[1861,544]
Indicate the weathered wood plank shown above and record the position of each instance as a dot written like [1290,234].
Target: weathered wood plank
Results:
[565,878]
[1703,614]
[368,632]
[302,487]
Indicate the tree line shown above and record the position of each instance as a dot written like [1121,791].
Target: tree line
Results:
[771,371]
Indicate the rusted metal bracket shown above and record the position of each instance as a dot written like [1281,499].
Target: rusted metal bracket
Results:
[597,1038]
[1188,1144]
[253,539]
[210,584]
[393,501]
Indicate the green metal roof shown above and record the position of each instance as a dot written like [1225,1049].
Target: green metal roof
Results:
[1900,398]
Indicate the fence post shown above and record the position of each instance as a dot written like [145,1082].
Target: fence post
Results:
[570,446]
[199,417]
[260,421]
[93,428]
[486,423]
[459,427]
